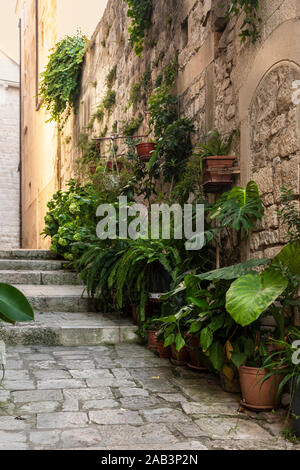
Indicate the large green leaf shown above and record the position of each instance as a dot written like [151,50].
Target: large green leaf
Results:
[232,272]
[249,296]
[14,307]
[289,257]
[216,356]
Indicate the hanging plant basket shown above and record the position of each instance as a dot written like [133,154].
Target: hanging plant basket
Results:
[145,150]
[92,169]
[214,178]
[113,166]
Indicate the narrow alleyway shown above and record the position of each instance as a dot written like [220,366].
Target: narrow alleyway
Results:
[62,390]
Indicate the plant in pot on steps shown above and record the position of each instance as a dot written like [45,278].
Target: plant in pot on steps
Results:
[214,157]
[249,298]
[284,361]
[146,266]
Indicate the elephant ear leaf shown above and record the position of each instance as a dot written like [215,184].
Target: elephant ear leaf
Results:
[250,295]
[289,257]
[14,307]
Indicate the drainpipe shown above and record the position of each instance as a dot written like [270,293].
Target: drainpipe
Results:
[20,132]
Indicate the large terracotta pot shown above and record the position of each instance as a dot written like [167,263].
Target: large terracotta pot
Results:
[256,394]
[215,180]
[193,346]
[134,313]
[145,150]
[163,352]
[181,357]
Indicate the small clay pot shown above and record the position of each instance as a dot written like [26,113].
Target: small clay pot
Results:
[145,150]
[193,346]
[152,339]
[256,394]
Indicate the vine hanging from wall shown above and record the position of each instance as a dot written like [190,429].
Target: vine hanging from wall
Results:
[60,84]
[250,25]
[140,11]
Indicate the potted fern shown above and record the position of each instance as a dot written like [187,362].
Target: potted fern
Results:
[214,158]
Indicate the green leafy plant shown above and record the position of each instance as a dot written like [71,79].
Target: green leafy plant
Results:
[250,25]
[131,126]
[60,82]
[252,294]
[71,219]
[109,100]
[111,77]
[144,268]
[239,208]
[289,213]
[140,12]
[14,307]
[216,144]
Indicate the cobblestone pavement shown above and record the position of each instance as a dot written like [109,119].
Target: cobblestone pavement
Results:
[122,397]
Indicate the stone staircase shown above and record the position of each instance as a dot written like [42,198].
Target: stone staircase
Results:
[64,315]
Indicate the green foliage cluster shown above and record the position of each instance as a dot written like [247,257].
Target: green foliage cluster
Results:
[131,126]
[289,213]
[111,77]
[71,219]
[250,25]
[140,12]
[60,82]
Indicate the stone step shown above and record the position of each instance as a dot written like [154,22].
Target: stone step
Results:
[64,298]
[30,265]
[28,254]
[70,329]
[40,277]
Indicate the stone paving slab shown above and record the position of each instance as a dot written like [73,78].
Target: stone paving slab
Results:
[101,398]
[27,254]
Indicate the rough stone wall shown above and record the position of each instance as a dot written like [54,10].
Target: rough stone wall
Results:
[9,154]
[275,155]
[217,85]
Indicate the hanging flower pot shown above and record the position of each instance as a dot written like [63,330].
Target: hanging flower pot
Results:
[92,169]
[145,150]
[214,179]
[256,394]
[112,165]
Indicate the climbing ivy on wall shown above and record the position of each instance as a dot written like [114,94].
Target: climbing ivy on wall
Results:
[140,11]
[60,82]
[249,28]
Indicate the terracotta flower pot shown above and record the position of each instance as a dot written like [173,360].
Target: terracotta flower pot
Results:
[256,394]
[181,357]
[134,313]
[152,339]
[214,179]
[162,351]
[193,347]
[145,150]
